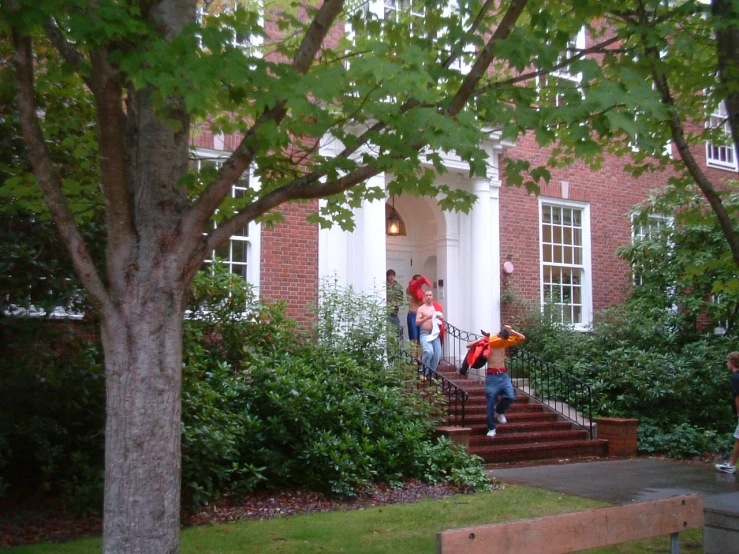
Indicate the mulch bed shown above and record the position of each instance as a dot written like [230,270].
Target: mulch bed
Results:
[34,521]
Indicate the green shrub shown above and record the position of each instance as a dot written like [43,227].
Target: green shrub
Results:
[52,397]
[680,441]
[644,363]
[264,403]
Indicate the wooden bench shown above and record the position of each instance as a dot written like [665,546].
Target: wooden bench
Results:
[580,530]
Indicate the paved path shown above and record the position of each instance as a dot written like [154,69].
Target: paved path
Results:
[634,480]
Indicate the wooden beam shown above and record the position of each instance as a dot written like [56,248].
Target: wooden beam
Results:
[577,531]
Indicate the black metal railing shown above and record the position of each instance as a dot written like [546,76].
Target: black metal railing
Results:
[455,344]
[455,397]
[565,394]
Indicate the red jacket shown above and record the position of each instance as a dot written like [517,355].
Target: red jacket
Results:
[415,287]
[442,331]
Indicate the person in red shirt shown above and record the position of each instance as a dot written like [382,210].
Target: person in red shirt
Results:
[498,382]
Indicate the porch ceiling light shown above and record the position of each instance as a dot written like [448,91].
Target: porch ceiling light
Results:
[394,225]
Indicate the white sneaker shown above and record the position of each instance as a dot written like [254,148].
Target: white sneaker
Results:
[491,433]
[500,418]
[726,468]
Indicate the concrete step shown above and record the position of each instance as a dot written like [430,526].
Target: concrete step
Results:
[515,408]
[481,428]
[481,440]
[479,398]
[514,418]
[497,453]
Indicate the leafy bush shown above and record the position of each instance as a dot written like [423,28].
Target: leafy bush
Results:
[266,404]
[681,440]
[642,362]
[52,397]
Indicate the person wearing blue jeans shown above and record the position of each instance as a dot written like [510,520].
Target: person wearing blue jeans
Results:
[498,382]
[429,322]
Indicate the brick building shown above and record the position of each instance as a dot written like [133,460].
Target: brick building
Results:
[512,249]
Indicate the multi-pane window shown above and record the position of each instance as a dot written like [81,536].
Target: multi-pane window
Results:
[235,252]
[654,234]
[238,253]
[557,85]
[565,258]
[651,229]
[721,154]
[723,324]
[643,231]
[393,8]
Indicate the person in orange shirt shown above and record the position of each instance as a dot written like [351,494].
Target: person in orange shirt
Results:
[498,382]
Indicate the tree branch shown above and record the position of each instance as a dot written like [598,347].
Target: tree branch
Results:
[47,178]
[678,136]
[66,49]
[112,130]
[310,187]
[242,157]
[486,56]
[595,49]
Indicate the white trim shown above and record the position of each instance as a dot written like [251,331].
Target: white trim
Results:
[586,290]
[721,156]
[254,229]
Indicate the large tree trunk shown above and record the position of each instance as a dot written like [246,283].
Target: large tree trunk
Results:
[143,363]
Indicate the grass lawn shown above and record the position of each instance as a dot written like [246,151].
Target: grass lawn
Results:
[400,528]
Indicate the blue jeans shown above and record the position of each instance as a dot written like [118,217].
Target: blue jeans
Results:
[498,384]
[431,352]
[412,327]
[394,319]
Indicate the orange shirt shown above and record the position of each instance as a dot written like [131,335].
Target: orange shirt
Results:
[497,342]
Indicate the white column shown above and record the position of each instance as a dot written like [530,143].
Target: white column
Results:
[334,250]
[481,266]
[373,243]
[495,257]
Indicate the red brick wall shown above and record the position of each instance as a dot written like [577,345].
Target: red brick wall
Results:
[610,192]
[289,269]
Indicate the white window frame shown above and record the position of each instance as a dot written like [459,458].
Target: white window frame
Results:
[660,221]
[723,325]
[639,233]
[381,8]
[585,267]
[721,156]
[254,229]
[576,43]
[251,44]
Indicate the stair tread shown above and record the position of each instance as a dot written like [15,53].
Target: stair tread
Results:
[538,445]
[533,431]
[543,436]
[521,427]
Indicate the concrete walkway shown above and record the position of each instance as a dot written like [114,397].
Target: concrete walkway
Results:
[633,480]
